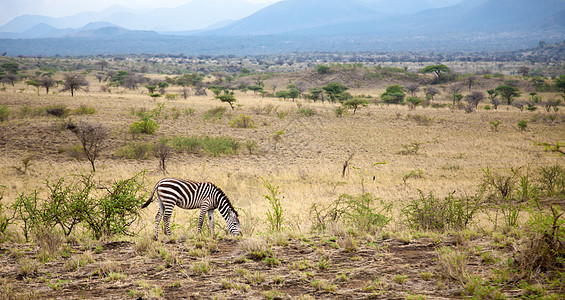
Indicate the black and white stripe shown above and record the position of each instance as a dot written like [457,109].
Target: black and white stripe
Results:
[189,194]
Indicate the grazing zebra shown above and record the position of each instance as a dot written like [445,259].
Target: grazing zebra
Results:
[189,194]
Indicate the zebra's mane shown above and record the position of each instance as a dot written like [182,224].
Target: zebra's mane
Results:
[222,194]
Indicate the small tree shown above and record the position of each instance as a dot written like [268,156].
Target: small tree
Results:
[275,217]
[394,94]
[355,103]
[73,82]
[413,88]
[560,85]
[34,83]
[227,98]
[474,98]
[92,138]
[414,101]
[163,152]
[315,94]
[47,83]
[431,92]
[471,80]
[334,89]
[294,93]
[508,93]
[322,69]
[283,94]
[163,85]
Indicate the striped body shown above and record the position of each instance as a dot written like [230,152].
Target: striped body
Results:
[189,194]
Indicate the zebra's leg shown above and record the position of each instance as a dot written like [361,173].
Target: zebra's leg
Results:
[157,221]
[203,211]
[211,218]
[167,220]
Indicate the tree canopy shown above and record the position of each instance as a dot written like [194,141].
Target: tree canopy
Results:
[334,89]
[227,98]
[507,93]
[355,103]
[73,82]
[438,70]
[394,94]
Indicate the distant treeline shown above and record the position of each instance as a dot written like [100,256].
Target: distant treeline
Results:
[140,42]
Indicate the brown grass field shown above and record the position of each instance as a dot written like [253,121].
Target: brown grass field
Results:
[397,262]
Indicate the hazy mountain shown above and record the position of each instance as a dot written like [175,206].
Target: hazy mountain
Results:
[43,30]
[295,15]
[196,14]
[26,22]
[340,17]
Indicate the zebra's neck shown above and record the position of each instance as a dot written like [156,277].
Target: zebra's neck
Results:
[224,207]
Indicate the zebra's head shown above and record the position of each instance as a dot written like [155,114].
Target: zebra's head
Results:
[233,223]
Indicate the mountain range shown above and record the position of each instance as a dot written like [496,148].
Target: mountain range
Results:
[194,15]
[462,23]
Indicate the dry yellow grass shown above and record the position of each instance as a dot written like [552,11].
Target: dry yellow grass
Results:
[454,148]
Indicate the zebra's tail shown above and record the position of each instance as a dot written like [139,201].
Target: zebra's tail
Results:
[150,198]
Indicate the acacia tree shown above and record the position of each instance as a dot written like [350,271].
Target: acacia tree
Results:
[413,88]
[10,79]
[474,98]
[471,80]
[47,83]
[508,93]
[394,94]
[355,103]
[34,83]
[294,93]
[227,98]
[315,94]
[431,92]
[438,70]
[73,82]
[334,89]
[455,90]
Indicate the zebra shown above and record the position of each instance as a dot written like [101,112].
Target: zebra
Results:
[188,194]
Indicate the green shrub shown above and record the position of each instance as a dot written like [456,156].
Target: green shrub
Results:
[138,151]
[146,126]
[190,144]
[544,246]
[5,220]
[84,110]
[115,211]
[522,125]
[242,121]
[358,212]
[59,111]
[340,111]
[306,112]
[220,145]
[211,145]
[275,217]
[215,113]
[449,213]
[552,181]
[4,113]
[76,204]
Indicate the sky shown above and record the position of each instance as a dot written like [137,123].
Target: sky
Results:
[9,9]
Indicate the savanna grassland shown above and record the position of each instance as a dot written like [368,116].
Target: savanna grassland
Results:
[430,200]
